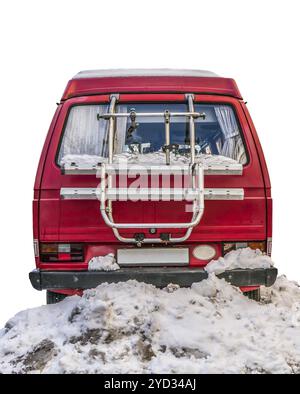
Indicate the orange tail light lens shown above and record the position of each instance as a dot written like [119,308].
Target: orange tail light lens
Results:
[229,246]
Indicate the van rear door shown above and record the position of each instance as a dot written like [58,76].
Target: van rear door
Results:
[79,133]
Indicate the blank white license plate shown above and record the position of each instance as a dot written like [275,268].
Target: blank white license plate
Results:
[153,257]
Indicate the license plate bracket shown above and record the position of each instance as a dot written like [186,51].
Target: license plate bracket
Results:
[151,257]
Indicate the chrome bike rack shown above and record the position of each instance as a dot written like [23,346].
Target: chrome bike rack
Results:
[195,171]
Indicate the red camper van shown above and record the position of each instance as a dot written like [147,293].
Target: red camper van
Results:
[161,169]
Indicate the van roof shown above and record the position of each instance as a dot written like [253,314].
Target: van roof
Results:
[143,72]
[92,82]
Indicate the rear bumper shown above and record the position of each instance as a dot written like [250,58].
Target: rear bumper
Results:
[160,277]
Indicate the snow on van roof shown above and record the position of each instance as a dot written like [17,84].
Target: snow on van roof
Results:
[143,72]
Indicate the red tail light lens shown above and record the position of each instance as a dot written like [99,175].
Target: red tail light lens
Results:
[54,252]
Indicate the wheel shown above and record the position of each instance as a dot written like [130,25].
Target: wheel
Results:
[253,294]
[54,298]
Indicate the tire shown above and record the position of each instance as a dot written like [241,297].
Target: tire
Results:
[253,295]
[54,298]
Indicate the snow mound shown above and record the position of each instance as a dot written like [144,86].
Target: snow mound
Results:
[103,263]
[133,327]
[241,258]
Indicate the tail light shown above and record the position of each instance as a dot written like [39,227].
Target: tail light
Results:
[54,252]
[229,246]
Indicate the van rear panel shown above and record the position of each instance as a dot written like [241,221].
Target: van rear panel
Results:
[80,220]
[79,223]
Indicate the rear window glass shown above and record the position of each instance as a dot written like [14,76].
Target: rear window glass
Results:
[217,135]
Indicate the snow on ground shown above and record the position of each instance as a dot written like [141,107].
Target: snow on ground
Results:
[133,327]
[136,158]
[241,258]
[103,263]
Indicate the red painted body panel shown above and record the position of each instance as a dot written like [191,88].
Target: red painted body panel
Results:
[204,85]
[57,220]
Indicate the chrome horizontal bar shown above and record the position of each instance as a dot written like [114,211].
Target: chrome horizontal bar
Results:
[154,169]
[151,114]
[224,194]
[177,194]
[174,169]
[195,221]
[81,193]
[154,194]
[220,169]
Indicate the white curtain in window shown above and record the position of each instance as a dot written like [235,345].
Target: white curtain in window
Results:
[233,146]
[84,134]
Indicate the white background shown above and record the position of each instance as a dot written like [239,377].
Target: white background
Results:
[44,43]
